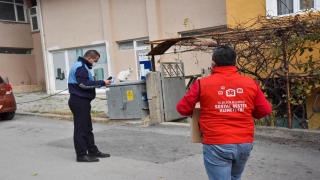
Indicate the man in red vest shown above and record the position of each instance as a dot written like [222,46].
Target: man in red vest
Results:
[229,102]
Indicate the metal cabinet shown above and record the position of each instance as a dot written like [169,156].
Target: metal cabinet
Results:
[127,100]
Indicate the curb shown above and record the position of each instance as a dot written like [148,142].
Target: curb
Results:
[64,117]
[280,132]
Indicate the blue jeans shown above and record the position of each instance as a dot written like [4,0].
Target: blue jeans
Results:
[227,161]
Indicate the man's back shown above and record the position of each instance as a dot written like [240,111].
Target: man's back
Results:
[227,103]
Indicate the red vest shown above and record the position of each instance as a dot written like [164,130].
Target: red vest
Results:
[227,102]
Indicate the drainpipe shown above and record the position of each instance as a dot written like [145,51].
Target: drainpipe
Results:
[43,45]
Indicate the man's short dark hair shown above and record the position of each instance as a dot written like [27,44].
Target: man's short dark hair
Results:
[92,54]
[224,56]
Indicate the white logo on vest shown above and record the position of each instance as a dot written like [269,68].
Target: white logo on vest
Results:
[231,106]
[230,93]
[240,90]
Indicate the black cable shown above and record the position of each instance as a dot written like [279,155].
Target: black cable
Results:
[44,97]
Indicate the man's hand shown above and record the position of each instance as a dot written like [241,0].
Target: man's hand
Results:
[108,82]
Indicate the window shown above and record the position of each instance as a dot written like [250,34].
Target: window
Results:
[33,18]
[141,43]
[14,51]
[133,44]
[202,31]
[285,7]
[33,3]
[12,10]
[306,4]
[125,45]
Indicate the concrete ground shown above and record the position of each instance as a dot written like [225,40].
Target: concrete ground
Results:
[40,104]
[41,148]
[33,146]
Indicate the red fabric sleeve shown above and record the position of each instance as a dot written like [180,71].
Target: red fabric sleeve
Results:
[262,107]
[188,102]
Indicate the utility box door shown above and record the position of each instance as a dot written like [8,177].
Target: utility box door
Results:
[126,101]
[114,101]
[131,102]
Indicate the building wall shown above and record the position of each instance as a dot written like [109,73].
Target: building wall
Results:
[129,19]
[71,23]
[20,70]
[38,58]
[243,11]
[125,60]
[15,35]
[201,14]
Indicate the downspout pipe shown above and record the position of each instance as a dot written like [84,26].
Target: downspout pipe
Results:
[43,45]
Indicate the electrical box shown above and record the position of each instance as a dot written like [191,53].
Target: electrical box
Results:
[127,100]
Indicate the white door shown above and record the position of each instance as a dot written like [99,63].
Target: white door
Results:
[60,70]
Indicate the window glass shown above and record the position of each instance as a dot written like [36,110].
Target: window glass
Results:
[6,1]
[141,43]
[125,45]
[285,6]
[306,4]
[34,23]
[33,3]
[20,13]
[14,51]
[7,12]
[19,1]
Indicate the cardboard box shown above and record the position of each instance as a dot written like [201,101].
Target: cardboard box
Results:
[196,135]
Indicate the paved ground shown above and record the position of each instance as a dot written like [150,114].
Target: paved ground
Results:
[35,147]
[39,148]
[40,104]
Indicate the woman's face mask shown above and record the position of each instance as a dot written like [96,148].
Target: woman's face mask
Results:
[94,64]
